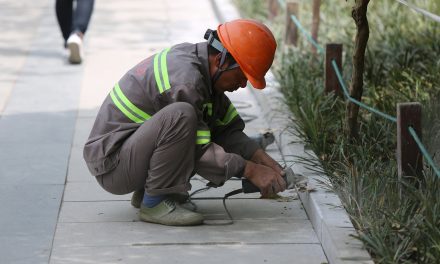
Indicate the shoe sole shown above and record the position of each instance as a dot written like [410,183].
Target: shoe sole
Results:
[75,56]
[148,219]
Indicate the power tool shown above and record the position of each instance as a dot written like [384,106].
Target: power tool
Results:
[292,181]
[290,177]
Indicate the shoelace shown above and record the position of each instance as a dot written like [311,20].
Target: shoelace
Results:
[169,203]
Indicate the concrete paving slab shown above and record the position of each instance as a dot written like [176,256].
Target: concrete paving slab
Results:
[240,209]
[37,163]
[128,25]
[86,192]
[139,233]
[83,127]
[46,127]
[44,82]
[193,254]
[24,207]
[53,67]
[248,209]
[78,171]
[98,212]
[96,226]
[4,96]
[35,129]
[20,31]
[27,223]
[26,248]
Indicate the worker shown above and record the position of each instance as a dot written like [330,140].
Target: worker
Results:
[168,118]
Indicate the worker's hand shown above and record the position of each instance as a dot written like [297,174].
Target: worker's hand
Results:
[261,157]
[265,178]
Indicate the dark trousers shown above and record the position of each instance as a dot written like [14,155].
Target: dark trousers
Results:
[73,19]
[161,156]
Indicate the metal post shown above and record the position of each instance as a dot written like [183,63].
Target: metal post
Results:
[333,51]
[409,157]
[291,29]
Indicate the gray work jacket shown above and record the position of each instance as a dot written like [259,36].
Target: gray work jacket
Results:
[176,74]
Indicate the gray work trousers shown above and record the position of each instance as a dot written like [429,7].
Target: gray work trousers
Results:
[160,156]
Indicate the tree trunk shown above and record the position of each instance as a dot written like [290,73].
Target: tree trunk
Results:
[359,14]
[315,22]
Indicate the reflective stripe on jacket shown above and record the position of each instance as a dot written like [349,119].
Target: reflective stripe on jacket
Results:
[176,74]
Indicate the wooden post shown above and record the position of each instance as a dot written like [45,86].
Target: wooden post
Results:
[333,51]
[409,157]
[273,8]
[315,22]
[291,29]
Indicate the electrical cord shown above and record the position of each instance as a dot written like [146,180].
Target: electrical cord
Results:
[246,118]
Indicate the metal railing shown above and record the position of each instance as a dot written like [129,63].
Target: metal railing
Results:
[320,50]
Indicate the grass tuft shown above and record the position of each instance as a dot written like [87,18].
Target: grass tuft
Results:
[402,65]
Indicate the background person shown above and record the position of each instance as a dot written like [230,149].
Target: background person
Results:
[73,18]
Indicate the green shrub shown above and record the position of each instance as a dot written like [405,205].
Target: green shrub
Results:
[402,65]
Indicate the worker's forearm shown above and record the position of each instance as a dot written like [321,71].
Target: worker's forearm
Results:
[249,169]
[261,157]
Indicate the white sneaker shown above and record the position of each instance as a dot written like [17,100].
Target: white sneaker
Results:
[74,44]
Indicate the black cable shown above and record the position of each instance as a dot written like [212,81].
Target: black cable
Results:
[227,222]
[246,118]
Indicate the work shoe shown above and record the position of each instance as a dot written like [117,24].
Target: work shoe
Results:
[168,212]
[74,44]
[138,196]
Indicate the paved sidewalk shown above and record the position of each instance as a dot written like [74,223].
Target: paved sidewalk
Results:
[53,211]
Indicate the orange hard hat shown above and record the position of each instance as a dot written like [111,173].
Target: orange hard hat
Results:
[252,45]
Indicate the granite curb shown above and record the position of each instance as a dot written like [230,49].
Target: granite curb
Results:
[323,207]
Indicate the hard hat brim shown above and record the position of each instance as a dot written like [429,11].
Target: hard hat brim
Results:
[256,83]
[252,45]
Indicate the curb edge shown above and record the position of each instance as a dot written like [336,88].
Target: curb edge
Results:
[324,208]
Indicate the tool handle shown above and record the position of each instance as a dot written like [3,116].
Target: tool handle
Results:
[249,187]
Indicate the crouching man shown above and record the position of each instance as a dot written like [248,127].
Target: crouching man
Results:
[168,118]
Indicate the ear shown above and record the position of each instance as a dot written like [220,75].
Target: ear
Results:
[217,59]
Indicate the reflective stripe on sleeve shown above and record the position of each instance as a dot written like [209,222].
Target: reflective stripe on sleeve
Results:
[209,107]
[130,105]
[203,137]
[161,71]
[131,111]
[229,116]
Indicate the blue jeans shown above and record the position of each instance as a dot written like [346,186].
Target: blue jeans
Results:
[73,19]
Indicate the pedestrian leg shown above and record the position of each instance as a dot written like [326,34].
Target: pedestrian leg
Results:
[82,15]
[64,11]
